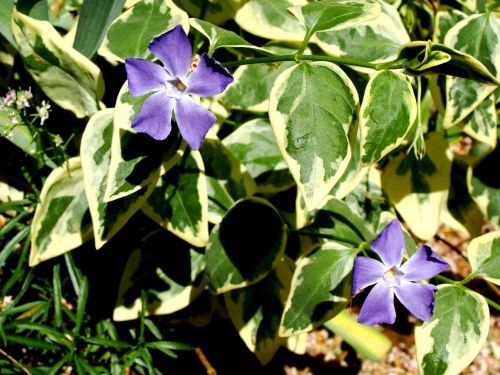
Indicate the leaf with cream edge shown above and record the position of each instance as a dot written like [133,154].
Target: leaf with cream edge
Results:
[328,15]
[477,35]
[95,150]
[446,18]
[173,278]
[61,222]
[137,160]
[245,246]
[65,75]
[312,131]
[321,288]
[387,114]
[256,311]
[130,33]
[484,187]
[377,40]
[482,122]
[271,19]
[179,202]
[216,12]
[448,342]
[484,256]
[419,188]
[222,38]
[253,143]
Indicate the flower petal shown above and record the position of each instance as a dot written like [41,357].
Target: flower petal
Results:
[390,244]
[378,306]
[144,76]
[424,264]
[366,272]
[155,116]
[193,121]
[417,298]
[174,51]
[209,78]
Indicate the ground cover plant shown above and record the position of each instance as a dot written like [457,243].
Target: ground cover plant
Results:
[198,186]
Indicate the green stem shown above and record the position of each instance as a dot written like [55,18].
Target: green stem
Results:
[326,236]
[467,279]
[305,42]
[299,57]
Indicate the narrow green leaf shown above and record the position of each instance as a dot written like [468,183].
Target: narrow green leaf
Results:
[320,289]
[93,22]
[11,245]
[31,343]
[130,34]
[312,131]
[82,303]
[455,334]
[245,246]
[56,284]
[61,222]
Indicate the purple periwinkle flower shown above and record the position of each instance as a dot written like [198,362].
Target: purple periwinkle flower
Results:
[171,85]
[391,278]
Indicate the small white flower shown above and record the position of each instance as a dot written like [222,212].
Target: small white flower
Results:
[22,99]
[58,140]
[43,111]
[13,118]
[10,98]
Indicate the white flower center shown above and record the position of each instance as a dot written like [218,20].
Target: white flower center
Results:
[393,276]
[175,88]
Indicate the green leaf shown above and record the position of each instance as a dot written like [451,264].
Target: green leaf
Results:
[387,114]
[219,37]
[93,22]
[446,18]
[95,150]
[216,12]
[61,222]
[256,311]
[484,187]
[136,158]
[66,76]
[18,134]
[377,41]
[227,179]
[270,19]
[478,36]
[321,288]
[130,34]
[252,84]
[484,256]
[312,130]
[245,246]
[253,144]
[482,123]
[418,188]
[172,279]
[6,8]
[336,221]
[455,334]
[179,202]
[328,15]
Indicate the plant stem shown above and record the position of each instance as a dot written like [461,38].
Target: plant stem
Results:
[299,57]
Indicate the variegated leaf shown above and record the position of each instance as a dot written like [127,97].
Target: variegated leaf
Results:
[179,202]
[387,114]
[18,134]
[418,188]
[253,144]
[216,12]
[136,158]
[452,338]
[377,40]
[478,36]
[484,256]
[328,15]
[245,246]
[66,76]
[446,18]
[172,277]
[130,33]
[227,179]
[219,37]
[95,150]
[321,288]
[271,19]
[61,222]
[256,310]
[482,123]
[312,131]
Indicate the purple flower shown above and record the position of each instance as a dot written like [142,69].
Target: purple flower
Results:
[171,85]
[390,278]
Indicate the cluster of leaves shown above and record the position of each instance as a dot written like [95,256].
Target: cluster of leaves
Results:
[343,114]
